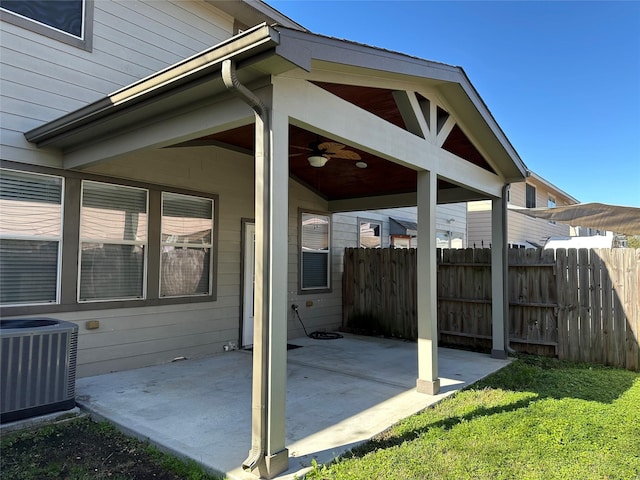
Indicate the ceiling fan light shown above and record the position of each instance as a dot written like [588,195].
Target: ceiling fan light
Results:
[361,164]
[317,160]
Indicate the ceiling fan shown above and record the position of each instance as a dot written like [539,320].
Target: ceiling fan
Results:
[321,152]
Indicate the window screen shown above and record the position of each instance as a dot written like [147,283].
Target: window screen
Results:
[187,227]
[30,237]
[113,233]
[315,251]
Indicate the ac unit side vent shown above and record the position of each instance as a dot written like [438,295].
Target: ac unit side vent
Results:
[38,367]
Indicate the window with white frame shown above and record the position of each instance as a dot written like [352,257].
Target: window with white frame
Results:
[530,196]
[113,242]
[67,21]
[315,251]
[449,239]
[370,234]
[30,237]
[187,240]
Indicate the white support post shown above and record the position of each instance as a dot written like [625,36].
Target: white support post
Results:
[428,381]
[498,293]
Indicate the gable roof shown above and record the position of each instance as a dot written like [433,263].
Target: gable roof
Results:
[261,52]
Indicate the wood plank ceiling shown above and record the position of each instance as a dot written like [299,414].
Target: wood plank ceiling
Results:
[342,179]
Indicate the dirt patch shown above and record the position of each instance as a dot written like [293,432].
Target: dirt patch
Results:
[82,449]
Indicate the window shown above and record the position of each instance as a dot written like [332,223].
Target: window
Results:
[551,203]
[69,21]
[187,229]
[449,239]
[370,234]
[531,196]
[315,254]
[113,242]
[30,237]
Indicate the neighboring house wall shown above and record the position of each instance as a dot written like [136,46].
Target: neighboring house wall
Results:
[522,230]
[43,78]
[451,220]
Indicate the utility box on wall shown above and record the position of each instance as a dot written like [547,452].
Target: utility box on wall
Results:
[37,367]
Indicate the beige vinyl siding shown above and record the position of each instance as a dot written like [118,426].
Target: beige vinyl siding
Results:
[520,229]
[43,79]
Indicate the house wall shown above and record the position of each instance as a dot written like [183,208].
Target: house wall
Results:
[43,78]
[135,337]
[521,228]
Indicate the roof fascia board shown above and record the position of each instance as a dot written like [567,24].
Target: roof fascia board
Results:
[336,51]
[482,107]
[253,41]
[551,186]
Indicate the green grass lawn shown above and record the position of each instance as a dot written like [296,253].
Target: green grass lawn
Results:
[535,419]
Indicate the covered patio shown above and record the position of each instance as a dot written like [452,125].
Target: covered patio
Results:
[416,133]
[339,394]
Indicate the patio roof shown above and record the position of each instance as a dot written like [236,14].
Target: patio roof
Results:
[420,126]
[94,132]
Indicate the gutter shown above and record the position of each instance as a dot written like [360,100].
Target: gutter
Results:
[247,44]
[261,370]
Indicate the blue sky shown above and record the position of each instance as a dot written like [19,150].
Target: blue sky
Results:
[561,78]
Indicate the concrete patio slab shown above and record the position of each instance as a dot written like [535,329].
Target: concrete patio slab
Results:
[339,394]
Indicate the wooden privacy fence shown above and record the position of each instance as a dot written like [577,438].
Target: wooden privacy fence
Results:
[580,305]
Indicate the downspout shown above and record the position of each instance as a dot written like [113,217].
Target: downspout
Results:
[505,269]
[259,407]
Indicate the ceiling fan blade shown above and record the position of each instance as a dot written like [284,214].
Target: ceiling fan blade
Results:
[296,154]
[346,155]
[330,147]
[302,148]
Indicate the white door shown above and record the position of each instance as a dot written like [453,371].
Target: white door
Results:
[249,283]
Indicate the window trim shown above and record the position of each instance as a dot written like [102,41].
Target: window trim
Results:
[85,42]
[71,244]
[59,240]
[362,220]
[315,290]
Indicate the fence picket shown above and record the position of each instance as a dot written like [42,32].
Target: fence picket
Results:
[577,305]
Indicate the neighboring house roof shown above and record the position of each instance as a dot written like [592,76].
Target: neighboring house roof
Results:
[551,187]
[599,216]
[595,241]
[398,226]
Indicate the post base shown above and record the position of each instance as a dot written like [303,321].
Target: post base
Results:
[500,354]
[273,465]
[427,386]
